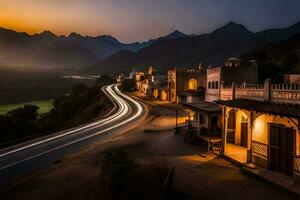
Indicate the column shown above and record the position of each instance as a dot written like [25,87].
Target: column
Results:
[224,130]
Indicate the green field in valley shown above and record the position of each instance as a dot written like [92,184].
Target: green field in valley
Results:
[44,106]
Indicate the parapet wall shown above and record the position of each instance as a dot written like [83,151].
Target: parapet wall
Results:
[285,93]
[275,93]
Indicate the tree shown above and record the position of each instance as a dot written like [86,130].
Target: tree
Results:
[27,113]
[128,85]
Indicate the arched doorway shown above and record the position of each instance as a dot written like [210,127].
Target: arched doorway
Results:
[193,84]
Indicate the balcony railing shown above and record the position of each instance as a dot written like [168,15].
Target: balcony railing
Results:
[260,149]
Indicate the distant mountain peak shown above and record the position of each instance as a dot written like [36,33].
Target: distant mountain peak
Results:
[108,38]
[74,35]
[174,35]
[177,32]
[47,34]
[232,28]
[234,25]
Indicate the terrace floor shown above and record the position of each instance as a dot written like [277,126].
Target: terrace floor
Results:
[236,152]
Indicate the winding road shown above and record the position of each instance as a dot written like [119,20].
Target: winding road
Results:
[38,153]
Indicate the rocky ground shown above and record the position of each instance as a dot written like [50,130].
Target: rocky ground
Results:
[197,174]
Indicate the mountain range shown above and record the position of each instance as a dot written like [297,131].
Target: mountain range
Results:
[106,54]
[47,50]
[231,40]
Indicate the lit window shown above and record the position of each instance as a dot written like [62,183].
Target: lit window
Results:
[193,85]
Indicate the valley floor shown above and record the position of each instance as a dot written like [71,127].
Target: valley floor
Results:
[197,174]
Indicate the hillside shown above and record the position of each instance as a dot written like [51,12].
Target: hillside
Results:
[209,49]
[18,86]
[47,50]
[278,59]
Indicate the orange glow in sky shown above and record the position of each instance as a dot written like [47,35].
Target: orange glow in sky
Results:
[139,20]
[58,16]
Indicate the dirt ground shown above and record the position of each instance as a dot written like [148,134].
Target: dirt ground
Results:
[200,174]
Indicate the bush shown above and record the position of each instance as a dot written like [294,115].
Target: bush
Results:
[19,123]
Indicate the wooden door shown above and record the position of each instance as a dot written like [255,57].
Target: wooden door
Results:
[281,149]
[244,134]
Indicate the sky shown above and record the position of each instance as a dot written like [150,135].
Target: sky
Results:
[140,20]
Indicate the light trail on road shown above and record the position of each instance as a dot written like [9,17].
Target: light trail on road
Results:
[126,110]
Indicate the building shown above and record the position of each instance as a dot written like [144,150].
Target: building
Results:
[261,126]
[182,79]
[160,88]
[171,85]
[191,96]
[234,70]
[144,81]
[206,116]
[218,82]
[139,76]
[152,84]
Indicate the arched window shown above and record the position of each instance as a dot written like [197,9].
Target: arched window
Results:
[193,85]
[213,85]
[217,85]
[209,85]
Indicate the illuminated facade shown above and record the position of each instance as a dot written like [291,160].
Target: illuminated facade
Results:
[261,126]
[171,81]
[144,81]
[151,84]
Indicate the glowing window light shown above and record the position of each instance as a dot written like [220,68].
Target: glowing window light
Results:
[259,133]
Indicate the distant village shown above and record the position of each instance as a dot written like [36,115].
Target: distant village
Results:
[253,124]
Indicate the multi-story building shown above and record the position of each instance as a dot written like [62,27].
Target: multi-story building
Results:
[184,82]
[234,71]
